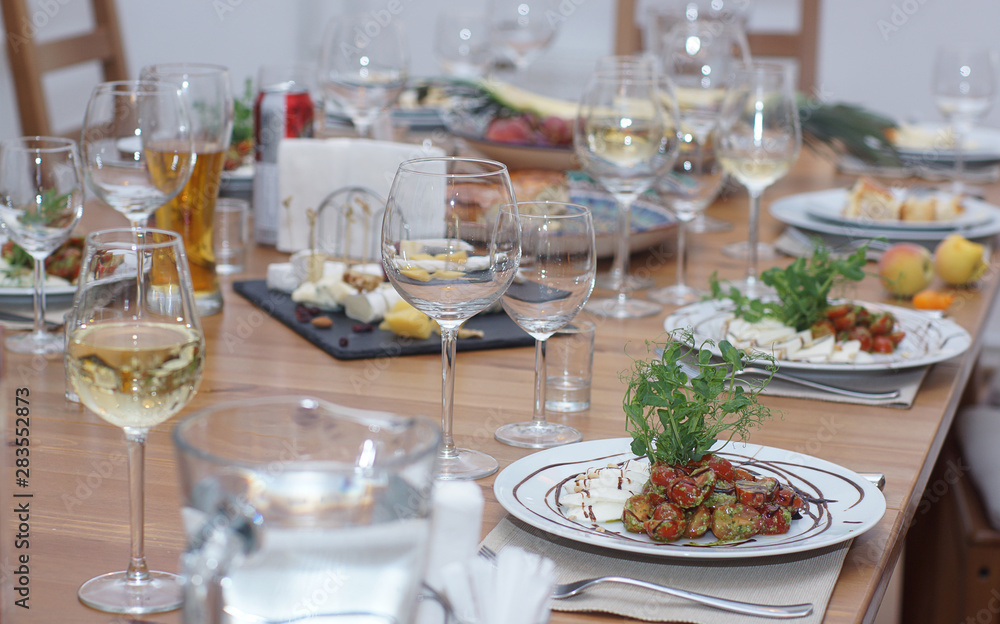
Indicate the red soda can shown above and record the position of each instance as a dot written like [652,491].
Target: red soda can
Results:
[282,110]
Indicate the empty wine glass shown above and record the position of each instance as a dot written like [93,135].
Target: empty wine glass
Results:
[964,85]
[463,44]
[522,30]
[553,283]
[687,189]
[134,357]
[626,135]
[137,147]
[363,66]
[759,141]
[450,252]
[41,201]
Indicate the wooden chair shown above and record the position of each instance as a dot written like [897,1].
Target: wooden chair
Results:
[801,45]
[30,59]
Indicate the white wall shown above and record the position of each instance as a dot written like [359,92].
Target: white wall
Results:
[873,52]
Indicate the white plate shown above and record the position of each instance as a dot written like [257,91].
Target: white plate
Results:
[796,210]
[829,206]
[527,489]
[928,340]
[984,146]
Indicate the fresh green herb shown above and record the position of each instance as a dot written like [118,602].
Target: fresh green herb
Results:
[243,115]
[52,209]
[677,419]
[846,128]
[803,287]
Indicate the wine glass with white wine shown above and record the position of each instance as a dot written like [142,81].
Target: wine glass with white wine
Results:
[134,356]
[964,85]
[759,141]
[626,136]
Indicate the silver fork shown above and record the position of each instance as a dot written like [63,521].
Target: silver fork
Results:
[567,590]
[691,371]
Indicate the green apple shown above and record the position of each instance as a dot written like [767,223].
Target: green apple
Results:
[906,269]
[959,261]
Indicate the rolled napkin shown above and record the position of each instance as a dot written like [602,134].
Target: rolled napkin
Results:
[513,589]
[309,170]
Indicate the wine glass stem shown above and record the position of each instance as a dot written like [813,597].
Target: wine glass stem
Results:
[39,294]
[681,252]
[138,571]
[619,267]
[539,415]
[752,236]
[449,343]
[959,129]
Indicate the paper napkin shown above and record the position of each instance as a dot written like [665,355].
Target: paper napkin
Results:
[309,170]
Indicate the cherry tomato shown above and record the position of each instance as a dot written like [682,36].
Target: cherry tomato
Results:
[667,524]
[862,335]
[664,474]
[882,324]
[699,521]
[638,509]
[836,311]
[775,520]
[845,322]
[786,496]
[897,337]
[822,328]
[685,492]
[882,344]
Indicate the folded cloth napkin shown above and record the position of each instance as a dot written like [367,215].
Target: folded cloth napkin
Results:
[309,170]
[786,579]
[907,381]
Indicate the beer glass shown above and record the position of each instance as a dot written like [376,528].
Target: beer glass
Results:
[208,94]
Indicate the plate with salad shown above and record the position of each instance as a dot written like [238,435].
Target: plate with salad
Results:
[61,267]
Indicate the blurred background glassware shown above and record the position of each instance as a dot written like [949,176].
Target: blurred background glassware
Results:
[662,16]
[687,189]
[698,54]
[207,92]
[569,363]
[626,135]
[522,31]
[451,253]
[759,141]
[298,508]
[554,281]
[964,87]
[137,146]
[134,357]
[363,66]
[41,201]
[231,234]
[463,45]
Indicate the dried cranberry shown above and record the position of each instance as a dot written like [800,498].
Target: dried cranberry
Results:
[302,314]
[343,341]
[362,328]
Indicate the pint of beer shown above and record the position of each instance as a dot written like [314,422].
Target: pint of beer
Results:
[208,94]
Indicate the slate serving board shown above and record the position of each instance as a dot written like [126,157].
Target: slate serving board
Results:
[500,332]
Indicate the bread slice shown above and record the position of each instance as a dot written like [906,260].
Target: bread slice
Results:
[869,200]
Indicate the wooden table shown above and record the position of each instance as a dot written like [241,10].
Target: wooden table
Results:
[78,521]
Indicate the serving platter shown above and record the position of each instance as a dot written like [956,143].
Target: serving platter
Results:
[928,340]
[848,505]
[799,210]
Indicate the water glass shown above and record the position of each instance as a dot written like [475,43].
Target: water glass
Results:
[569,363]
[297,508]
[231,234]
